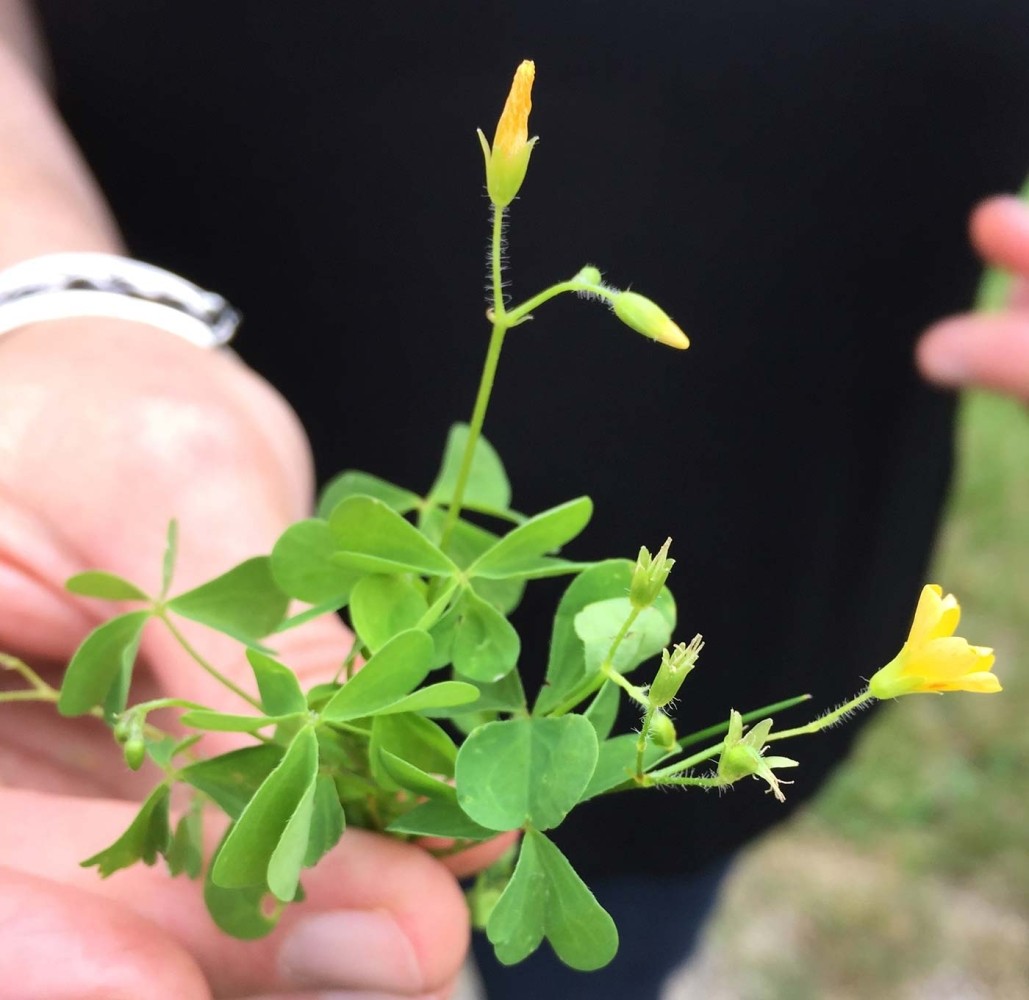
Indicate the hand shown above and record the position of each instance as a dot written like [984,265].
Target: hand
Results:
[107,431]
[990,351]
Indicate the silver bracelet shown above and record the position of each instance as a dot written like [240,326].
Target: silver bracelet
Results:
[71,285]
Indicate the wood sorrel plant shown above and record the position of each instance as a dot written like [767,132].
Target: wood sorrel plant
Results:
[427,731]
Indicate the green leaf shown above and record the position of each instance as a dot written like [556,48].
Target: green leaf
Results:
[353,483]
[251,843]
[105,658]
[603,710]
[383,606]
[231,779]
[303,567]
[327,821]
[546,898]
[106,586]
[566,666]
[244,603]
[598,624]
[374,538]
[171,553]
[278,685]
[616,763]
[485,644]
[393,672]
[147,836]
[414,779]
[467,542]
[521,549]
[418,740]
[185,854]
[440,818]
[530,770]
[445,694]
[487,487]
[242,913]
[287,860]
[222,722]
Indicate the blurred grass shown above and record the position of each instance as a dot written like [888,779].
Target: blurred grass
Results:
[908,876]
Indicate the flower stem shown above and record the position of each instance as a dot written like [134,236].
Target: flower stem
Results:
[489,372]
[825,721]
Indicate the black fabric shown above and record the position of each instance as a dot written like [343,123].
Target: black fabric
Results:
[790,180]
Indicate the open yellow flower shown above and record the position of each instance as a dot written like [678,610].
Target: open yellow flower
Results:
[933,658]
[508,160]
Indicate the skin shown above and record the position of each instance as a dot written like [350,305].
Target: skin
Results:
[987,351]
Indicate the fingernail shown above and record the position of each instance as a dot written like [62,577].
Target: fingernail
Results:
[357,949]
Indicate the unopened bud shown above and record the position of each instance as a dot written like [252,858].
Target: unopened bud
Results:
[675,667]
[648,318]
[649,575]
[508,159]
[662,731]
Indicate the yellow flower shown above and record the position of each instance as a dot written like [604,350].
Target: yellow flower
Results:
[508,160]
[933,658]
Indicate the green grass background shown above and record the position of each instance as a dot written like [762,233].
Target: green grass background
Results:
[908,877]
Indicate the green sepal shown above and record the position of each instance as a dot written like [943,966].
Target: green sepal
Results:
[546,899]
[103,660]
[147,837]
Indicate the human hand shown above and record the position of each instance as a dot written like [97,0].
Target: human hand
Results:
[989,351]
[107,432]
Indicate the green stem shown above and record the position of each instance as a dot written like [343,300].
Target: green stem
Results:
[685,764]
[489,372]
[643,740]
[712,782]
[521,312]
[826,720]
[207,667]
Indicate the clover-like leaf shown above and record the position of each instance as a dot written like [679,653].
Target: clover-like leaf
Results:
[383,606]
[485,644]
[353,483]
[106,586]
[546,899]
[530,770]
[520,550]
[303,566]
[231,779]
[252,842]
[487,488]
[103,660]
[372,537]
[390,675]
[245,603]
[147,837]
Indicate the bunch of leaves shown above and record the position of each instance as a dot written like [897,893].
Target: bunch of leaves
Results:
[427,731]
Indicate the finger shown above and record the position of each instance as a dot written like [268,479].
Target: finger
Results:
[379,915]
[62,943]
[987,351]
[999,228]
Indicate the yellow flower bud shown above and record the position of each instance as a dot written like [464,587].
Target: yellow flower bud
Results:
[933,658]
[648,318]
[508,160]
